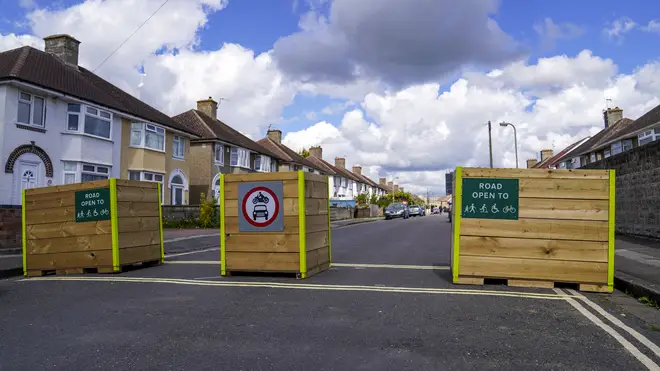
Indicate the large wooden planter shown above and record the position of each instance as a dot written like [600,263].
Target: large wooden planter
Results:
[97,226]
[563,230]
[298,242]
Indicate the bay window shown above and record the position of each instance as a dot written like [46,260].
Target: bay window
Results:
[147,136]
[88,120]
[88,172]
[240,157]
[219,154]
[262,164]
[178,147]
[148,176]
[648,137]
[31,110]
[93,172]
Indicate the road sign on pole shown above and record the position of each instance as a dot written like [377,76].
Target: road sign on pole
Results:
[260,207]
[486,198]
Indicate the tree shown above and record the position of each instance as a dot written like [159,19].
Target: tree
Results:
[304,152]
[361,199]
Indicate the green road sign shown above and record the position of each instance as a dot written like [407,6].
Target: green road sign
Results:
[92,205]
[489,198]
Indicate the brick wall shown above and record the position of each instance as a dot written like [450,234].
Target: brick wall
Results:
[10,227]
[637,189]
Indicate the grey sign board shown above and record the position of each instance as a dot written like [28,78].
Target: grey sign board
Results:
[260,207]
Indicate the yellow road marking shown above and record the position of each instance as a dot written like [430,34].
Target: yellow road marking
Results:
[394,266]
[301,286]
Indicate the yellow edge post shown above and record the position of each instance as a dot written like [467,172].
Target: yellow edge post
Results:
[611,231]
[223,242]
[329,229]
[301,224]
[23,233]
[113,225]
[160,225]
[456,208]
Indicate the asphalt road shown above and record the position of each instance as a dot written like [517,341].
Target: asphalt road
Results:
[381,307]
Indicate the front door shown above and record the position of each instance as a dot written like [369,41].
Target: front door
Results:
[29,175]
[177,195]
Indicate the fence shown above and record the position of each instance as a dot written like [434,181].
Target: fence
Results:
[534,227]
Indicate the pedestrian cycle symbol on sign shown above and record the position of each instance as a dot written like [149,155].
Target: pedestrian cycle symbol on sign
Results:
[260,206]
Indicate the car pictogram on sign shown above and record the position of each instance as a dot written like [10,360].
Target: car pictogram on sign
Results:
[260,211]
[260,206]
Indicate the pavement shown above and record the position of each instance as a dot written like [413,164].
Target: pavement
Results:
[637,267]
[386,304]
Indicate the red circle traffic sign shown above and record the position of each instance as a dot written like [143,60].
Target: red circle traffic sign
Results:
[271,218]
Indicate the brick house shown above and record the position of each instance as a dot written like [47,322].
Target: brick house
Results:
[220,149]
[291,160]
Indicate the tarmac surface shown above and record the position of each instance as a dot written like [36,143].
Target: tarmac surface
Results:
[386,304]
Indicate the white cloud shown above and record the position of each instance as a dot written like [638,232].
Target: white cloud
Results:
[550,32]
[653,26]
[619,27]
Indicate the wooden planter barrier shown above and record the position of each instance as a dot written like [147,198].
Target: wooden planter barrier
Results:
[97,226]
[547,226]
[290,233]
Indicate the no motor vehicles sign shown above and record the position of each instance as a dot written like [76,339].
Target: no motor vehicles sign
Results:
[259,206]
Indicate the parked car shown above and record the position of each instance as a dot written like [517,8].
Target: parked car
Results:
[415,210]
[449,211]
[396,210]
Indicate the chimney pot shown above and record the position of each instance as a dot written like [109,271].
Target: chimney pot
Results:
[316,151]
[357,170]
[275,135]
[64,47]
[340,162]
[209,107]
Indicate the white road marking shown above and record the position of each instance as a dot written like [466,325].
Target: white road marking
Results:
[349,265]
[639,337]
[210,262]
[191,252]
[176,239]
[646,361]
[639,257]
[300,286]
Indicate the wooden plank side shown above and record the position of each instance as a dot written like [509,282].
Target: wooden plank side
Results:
[139,254]
[86,259]
[552,208]
[288,206]
[261,177]
[67,188]
[54,215]
[136,183]
[577,230]
[262,242]
[137,194]
[316,190]
[50,200]
[534,173]
[581,189]
[131,209]
[316,206]
[138,224]
[67,229]
[534,248]
[535,269]
[263,262]
[311,177]
[290,225]
[317,257]
[316,240]
[289,188]
[316,223]
[70,244]
[136,239]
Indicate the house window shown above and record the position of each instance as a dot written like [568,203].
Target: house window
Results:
[31,109]
[70,172]
[310,170]
[273,166]
[336,181]
[97,122]
[178,147]
[219,154]
[94,172]
[607,153]
[73,117]
[297,167]
[240,157]
[147,136]
[616,148]
[147,176]
[262,163]
[627,145]
[645,137]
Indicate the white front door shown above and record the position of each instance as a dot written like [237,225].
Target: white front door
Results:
[29,173]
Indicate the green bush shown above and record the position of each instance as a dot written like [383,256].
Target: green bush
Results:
[208,217]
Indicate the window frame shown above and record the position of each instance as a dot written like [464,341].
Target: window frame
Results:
[73,171]
[181,142]
[143,128]
[265,163]
[219,148]
[98,115]
[79,170]
[241,154]
[31,102]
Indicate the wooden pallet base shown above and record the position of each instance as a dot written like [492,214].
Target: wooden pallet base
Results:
[467,280]
[89,270]
[297,275]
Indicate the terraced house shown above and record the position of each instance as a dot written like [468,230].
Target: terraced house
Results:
[291,160]
[60,123]
[220,149]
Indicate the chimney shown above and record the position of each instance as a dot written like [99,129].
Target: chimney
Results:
[316,151]
[390,184]
[275,135]
[340,162]
[401,189]
[209,107]
[546,154]
[396,188]
[612,115]
[382,181]
[357,170]
[531,162]
[63,46]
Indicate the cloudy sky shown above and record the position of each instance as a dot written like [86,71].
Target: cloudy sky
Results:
[402,88]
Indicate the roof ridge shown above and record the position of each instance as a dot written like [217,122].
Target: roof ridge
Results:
[20,61]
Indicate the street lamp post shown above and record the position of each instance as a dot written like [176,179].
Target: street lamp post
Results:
[515,138]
